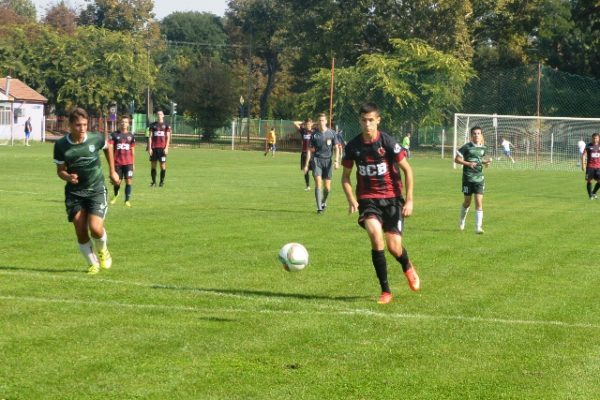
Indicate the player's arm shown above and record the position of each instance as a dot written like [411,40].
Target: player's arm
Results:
[61,171]
[459,159]
[583,160]
[109,153]
[149,148]
[347,187]
[307,163]
[408,183]
[168,139]
[298,124]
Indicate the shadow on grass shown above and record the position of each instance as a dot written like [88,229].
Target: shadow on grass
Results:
[262,293]
[12,268]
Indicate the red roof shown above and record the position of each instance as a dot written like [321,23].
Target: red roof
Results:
[21,92]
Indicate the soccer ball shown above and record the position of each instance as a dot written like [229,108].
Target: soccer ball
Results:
[293,257]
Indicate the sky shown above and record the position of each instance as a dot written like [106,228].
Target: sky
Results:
[162,8]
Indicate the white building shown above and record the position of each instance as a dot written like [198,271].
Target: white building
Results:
[18,102]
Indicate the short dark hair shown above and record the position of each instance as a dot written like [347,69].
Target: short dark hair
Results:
[77,113]
[367,108]
[595,134]
[473,129]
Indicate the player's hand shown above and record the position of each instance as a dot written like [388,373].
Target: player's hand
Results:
[352,207]
[487,163]
[304,170]
[336,165]
[166,151]
[73,179]
[407,209]
[114,178]
[150,152]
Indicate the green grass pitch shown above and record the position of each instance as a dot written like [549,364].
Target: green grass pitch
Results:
[197,306]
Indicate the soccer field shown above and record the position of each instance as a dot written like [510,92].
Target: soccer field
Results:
[196,305]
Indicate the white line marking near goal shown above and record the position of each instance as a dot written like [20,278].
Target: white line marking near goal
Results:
[320,309]
[18,192]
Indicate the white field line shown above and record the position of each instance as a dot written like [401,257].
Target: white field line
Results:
[324,310]
[18,192]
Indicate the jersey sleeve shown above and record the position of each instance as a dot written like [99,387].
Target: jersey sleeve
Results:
[59,155]
[347,159]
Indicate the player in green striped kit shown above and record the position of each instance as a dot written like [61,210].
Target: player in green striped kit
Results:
[471,157]
[77,159]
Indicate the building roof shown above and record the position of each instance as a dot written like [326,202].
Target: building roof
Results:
[19,91]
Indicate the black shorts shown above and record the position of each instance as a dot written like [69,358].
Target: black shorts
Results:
[387,211]
[592,174]
[95,203]
[158,155]
[124,171]
[469,188]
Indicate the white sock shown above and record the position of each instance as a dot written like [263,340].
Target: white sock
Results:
[101,243]
[463,213]
[478,219]
[88,253]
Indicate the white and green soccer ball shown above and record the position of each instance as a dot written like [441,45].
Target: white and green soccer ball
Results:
[293,257]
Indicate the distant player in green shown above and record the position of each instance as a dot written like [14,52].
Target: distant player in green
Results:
[471,157]
[406,143]
[77,159]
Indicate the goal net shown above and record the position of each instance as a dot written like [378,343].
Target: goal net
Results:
[535,142]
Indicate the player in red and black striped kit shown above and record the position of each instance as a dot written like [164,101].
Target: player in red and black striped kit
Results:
[381,204]
[123,144]
[305,129]
[158,147]
[590,163]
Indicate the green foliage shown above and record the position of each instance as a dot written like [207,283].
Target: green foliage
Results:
[24,8]
[204,91]
[90,68]
[196,27]
[119,15]
[415,84]
[204,310]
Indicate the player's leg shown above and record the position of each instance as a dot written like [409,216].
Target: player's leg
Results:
[479,213]
[153,171]
[307,174]
[597,185]
[373,227]
[116,188]
[96,213]
[163,170]
[128,190]
[393,224]
[319,193]
[86,248]
[464,208]
[327,175]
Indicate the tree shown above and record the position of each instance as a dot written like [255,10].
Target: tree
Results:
[194,27]
[118,15]
[415,84]
[262,25]
[61,17]
[204,90]
[24,8]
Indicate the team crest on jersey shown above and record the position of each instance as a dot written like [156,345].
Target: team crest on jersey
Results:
[381,151]
[92,148]
[328,142]
[397,148]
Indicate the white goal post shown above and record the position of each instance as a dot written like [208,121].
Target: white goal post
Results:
[535,142]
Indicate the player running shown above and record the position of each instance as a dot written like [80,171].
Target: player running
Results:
[590,163]
[158,147]
[123,145]
[77,160]
[470,156]
[381,204]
